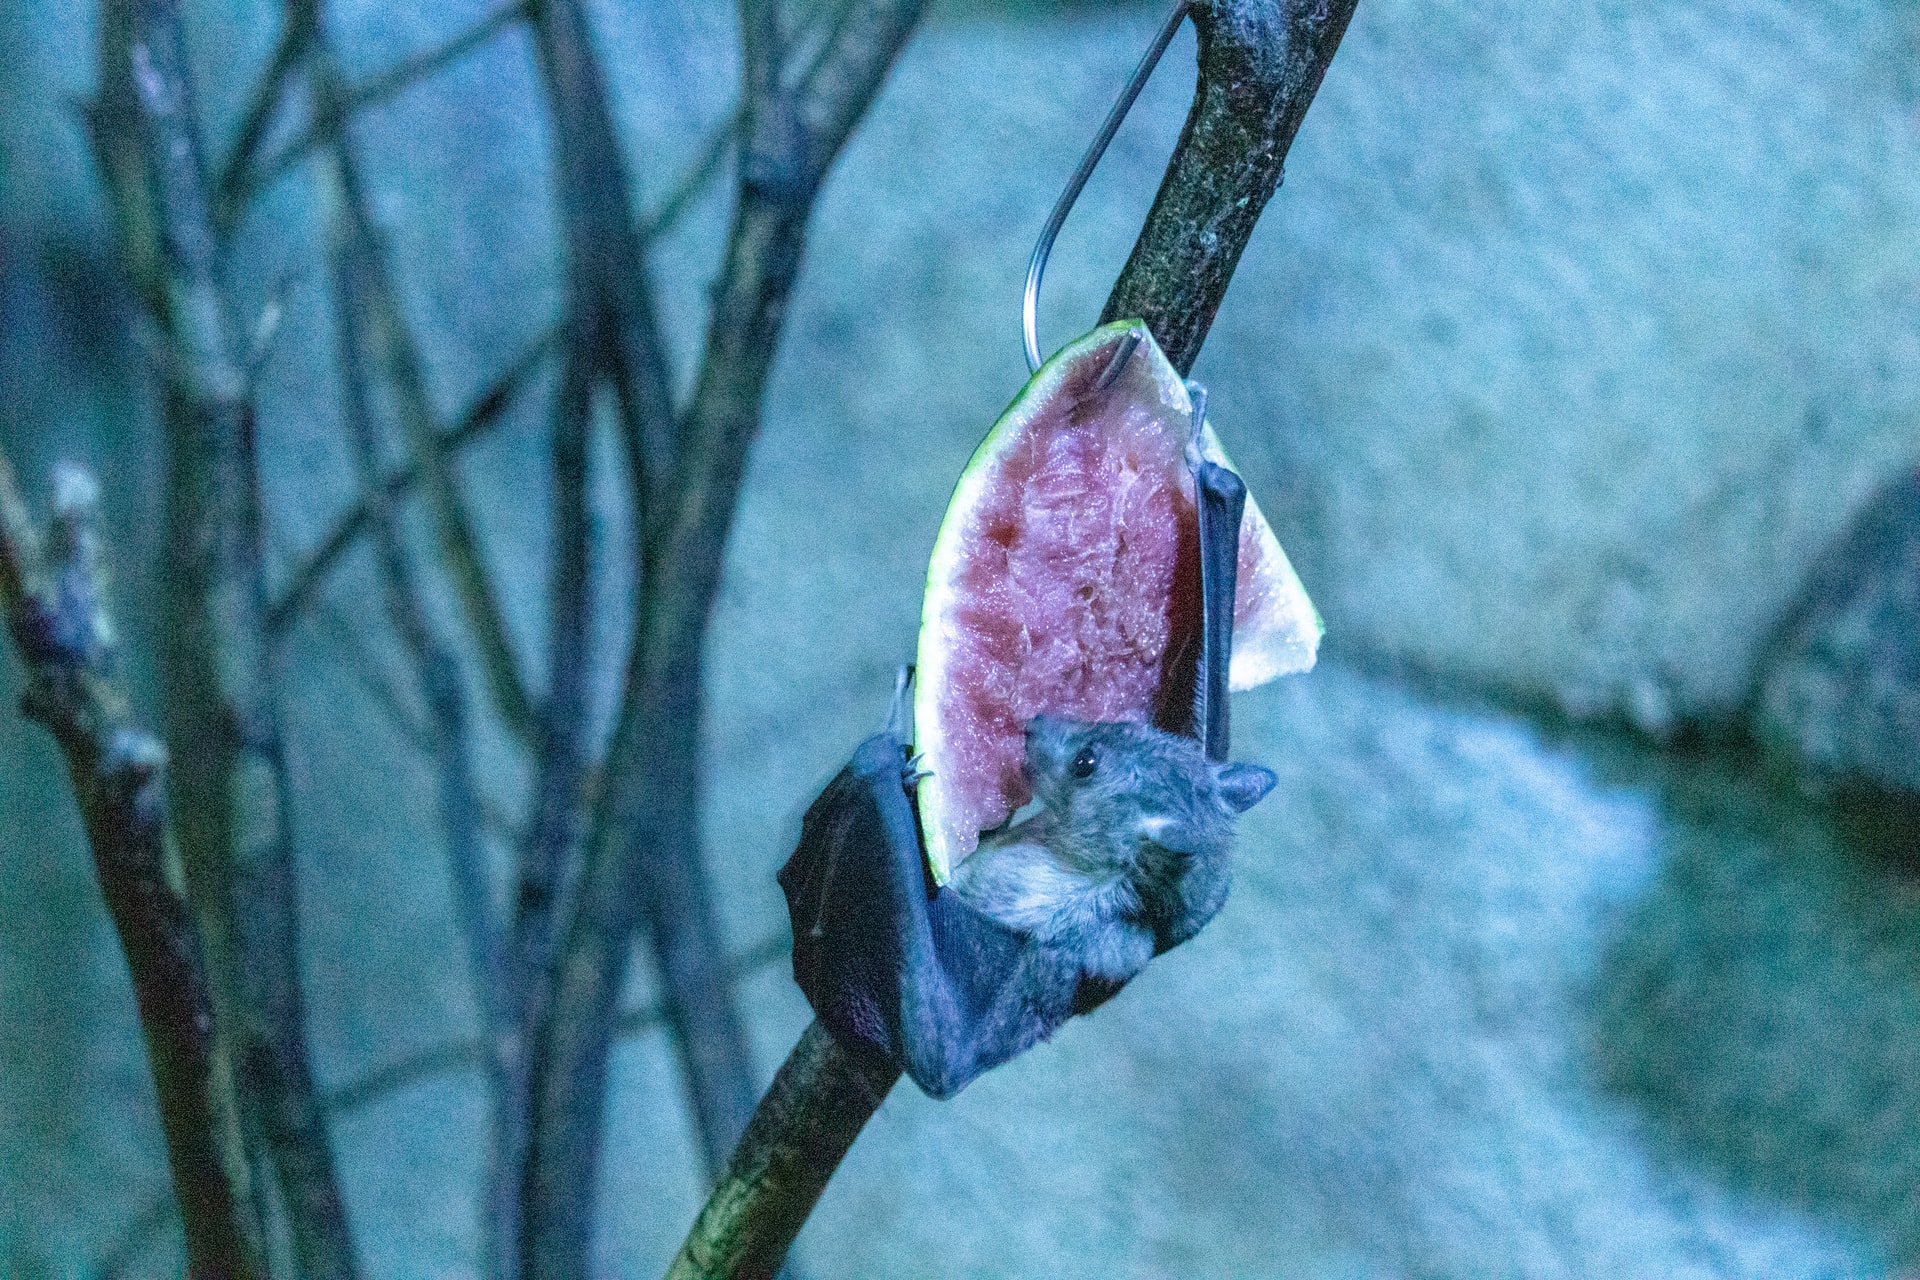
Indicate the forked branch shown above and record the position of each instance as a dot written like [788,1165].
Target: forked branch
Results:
[53,595]
[231,799]
[642,861]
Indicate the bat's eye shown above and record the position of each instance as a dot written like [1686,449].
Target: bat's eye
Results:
[1084,763]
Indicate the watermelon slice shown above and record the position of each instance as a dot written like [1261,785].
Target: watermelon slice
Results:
[1066,579]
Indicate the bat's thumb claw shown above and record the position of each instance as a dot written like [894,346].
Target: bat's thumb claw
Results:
[1197,394]
[899,714]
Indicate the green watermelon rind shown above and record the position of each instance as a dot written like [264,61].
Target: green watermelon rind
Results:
[1291,648]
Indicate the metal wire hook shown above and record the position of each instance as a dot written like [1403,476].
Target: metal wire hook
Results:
[1037,265]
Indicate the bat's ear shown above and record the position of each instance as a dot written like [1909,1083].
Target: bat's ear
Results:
[1243,786]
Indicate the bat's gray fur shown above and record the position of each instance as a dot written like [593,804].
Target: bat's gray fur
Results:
[1131,852]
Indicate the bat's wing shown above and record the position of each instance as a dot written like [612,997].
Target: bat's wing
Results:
[895,967]
[1220,497]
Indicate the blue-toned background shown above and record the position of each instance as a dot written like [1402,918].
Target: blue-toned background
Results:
[1582,937]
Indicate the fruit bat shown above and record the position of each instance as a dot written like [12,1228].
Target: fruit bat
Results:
[1128,855]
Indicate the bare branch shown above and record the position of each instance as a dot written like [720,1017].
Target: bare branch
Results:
[610,306]
[380,1083]
[727,133]
[364,667]
[390,348]
[613,340]
[422,66]
[459,545]
[694,181]
[301,28]
[816,1106]
[643,857]
[486,412]
[58,616]
[848,74]
[231,801]
[356,270]
[243,182]
[1260,65]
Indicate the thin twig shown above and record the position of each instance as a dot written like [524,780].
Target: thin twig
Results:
[391,350]
[701,172]
[727,133]
[297,34]
[248,181]
[231,800]
[426,1064]
[365,669]
[355,272]
[643,857]
[482,415]
[56,611]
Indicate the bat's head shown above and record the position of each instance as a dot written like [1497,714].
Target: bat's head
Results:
[1123,798]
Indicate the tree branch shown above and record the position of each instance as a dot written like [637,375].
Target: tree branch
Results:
[301,28]
[355,271]
[480,418]
[231,802]
[391,349]
[1261,61]
[613,341]
[377,1084]
[842,82]
[643,859]
[815,1108]
[694,181]
[246,176]
[614,330]
[57,613]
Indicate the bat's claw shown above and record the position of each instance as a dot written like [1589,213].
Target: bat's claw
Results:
[900,713]
[1118,361]
[1198,394]
[911,775]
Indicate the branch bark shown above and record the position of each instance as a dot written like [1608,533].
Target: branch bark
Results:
[817,1105]
[57,613]
[231,800]
[1261,62]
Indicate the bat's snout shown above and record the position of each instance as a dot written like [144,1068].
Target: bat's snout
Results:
[1048,740]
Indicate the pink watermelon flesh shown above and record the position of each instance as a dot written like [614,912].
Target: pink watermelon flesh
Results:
[1080,587]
